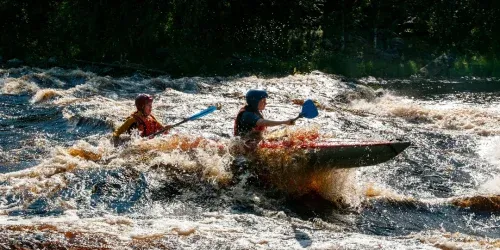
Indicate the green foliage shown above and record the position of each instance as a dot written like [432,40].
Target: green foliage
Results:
[476,66]
[388,38]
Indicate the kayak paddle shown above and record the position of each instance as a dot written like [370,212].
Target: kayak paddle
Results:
[309,110]
[191,118]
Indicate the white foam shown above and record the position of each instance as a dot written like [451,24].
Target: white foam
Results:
[444,116]
[489,149]
[12,86]
[177,219]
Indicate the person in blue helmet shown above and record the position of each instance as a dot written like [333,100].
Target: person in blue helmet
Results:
[250,122]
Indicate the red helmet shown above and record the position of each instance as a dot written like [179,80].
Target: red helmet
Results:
[141,100]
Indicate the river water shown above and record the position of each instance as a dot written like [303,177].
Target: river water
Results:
[63,184]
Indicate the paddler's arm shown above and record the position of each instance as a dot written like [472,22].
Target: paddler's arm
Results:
[271,123]
[164,129]
[124,127]
[160,127]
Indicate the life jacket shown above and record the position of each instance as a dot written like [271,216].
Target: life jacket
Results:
[146,125]
[237,124]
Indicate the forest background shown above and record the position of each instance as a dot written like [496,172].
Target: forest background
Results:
[383,38]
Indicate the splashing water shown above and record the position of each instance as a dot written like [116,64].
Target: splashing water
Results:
[64,184]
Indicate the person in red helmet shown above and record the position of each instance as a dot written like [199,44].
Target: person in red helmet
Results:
[141,119]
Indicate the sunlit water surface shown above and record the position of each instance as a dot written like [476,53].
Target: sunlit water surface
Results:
[64,184]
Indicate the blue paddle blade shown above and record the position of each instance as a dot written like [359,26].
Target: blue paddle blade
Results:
[309,110]
[202,113]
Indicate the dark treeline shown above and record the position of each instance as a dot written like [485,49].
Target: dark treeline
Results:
[186,37]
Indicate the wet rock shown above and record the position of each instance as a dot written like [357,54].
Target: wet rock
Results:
[438,66]
[357,92]
[14,63]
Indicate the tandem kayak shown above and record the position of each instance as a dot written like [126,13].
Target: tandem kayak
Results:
[331,154]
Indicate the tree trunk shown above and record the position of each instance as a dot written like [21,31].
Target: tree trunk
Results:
[342,37]
[375,23]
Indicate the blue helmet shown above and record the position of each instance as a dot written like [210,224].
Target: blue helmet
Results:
[254,96]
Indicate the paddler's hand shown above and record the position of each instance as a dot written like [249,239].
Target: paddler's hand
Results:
[167,129]
[218,106]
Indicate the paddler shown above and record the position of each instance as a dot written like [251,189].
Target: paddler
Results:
[141,119]
[250,123]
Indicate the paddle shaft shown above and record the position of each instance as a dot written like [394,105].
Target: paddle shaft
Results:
[179,123]
[167,128]
[192,118]
[298,117]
